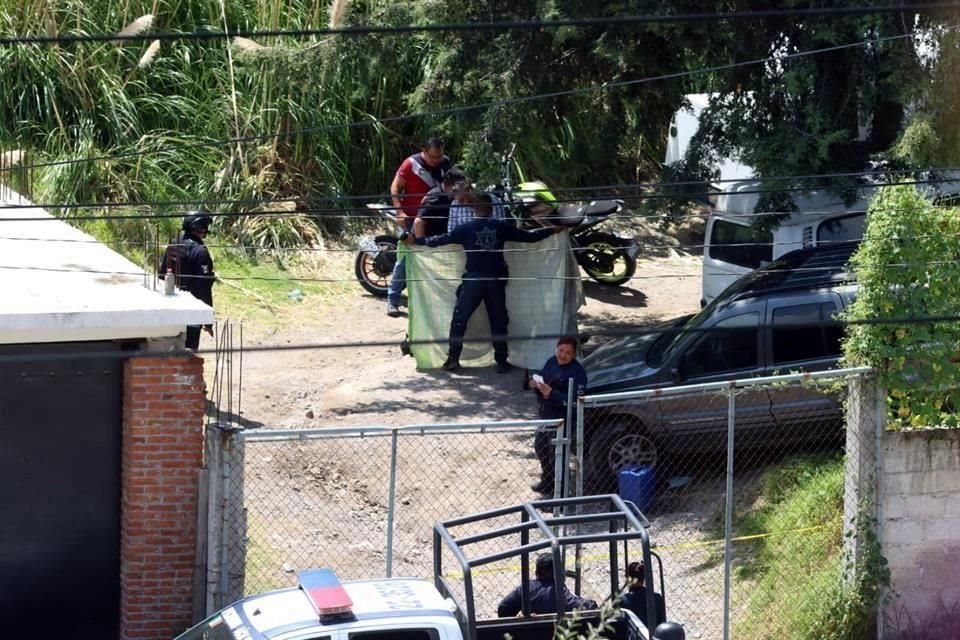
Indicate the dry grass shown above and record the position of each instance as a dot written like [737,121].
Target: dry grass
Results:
[138,26]
[338,13]
[149,55]
[247,45]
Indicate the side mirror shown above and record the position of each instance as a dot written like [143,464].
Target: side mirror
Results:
[676,375]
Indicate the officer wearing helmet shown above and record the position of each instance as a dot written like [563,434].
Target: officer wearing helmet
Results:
[192,266]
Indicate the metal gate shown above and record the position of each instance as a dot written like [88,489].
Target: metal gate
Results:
[60,423]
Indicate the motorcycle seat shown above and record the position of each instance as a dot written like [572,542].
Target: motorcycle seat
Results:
[571,215]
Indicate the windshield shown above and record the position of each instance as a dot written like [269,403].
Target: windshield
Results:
[213,628]
[673,336]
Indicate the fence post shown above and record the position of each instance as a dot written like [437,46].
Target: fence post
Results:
[392,500]
[866,409]
[728,508]
[579,453]
[215,506]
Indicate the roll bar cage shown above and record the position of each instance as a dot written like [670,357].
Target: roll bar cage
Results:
[623,521]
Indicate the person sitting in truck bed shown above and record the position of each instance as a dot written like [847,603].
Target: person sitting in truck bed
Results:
[542,596]
[635,598]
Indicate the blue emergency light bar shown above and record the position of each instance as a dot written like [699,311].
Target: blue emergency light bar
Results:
[325,592]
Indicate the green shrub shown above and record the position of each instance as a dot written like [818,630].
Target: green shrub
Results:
[908,269]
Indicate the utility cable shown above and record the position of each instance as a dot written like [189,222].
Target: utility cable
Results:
[605,333]
[368,213]
[511,25]
[487,105]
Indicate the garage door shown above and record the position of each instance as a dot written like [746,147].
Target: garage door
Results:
[60,429]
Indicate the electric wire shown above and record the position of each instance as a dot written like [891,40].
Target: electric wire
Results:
[343,213]
[613,188]
[898,321]
[486,105]
[509,25]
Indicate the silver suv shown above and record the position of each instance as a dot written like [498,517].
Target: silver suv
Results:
[775,320]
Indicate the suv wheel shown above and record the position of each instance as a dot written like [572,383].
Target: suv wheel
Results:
[608,453]
[632,450]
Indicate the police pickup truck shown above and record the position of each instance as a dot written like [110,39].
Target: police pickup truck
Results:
[321,607]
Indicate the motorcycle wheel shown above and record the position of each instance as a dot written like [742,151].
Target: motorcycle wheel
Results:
[373,270]
[604,260]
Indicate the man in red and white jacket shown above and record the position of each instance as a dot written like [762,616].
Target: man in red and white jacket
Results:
[416,175]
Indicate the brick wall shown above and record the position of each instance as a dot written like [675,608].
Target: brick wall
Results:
[163,404]
[919,494]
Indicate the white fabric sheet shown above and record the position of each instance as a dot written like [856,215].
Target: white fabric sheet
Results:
[543,296]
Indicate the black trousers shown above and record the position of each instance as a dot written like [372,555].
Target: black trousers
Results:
[493,293]
[546,452]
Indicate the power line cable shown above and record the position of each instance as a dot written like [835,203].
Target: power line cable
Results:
[486,105]
[366,212]
[509,25]
[606,333]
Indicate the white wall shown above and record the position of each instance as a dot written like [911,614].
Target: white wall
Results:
[919,523]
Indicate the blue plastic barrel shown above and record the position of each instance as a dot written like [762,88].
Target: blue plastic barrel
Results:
[637,485]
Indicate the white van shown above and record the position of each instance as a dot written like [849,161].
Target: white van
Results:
[733,247]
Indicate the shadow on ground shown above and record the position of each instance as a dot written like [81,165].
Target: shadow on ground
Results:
[625,295]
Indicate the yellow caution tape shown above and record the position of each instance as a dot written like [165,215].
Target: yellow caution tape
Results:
[681,546]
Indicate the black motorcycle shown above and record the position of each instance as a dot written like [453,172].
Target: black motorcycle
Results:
[377,256]
[609,259]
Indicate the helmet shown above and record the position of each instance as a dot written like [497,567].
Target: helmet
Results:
[196,220]
[537,197]
[669,631]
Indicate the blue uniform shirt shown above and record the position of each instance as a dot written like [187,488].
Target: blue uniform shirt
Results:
[636,600]
[542,600]
[559,378]
[483,240]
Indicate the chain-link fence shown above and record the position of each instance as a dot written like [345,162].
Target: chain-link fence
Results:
[362,501]
[750,487]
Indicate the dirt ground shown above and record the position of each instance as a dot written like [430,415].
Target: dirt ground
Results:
[308,502]
[376,385]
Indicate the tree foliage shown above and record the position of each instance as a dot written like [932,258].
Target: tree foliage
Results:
[835,111]
[908,269]
[323,118]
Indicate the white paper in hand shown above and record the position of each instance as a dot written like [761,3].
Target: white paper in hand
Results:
[537,378]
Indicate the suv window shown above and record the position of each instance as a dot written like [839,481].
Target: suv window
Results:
[810,340]
[729,345]
[740,245]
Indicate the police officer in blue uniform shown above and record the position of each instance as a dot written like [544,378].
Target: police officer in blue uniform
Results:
[542,593]
[484,281]
[192,266]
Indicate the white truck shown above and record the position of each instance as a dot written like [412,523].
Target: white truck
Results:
[323,608]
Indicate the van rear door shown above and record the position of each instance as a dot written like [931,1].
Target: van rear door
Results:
[732,247]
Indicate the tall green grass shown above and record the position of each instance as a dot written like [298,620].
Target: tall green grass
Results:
[789,582]
[160,110]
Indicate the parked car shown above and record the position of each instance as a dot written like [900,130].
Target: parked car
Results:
[773,320]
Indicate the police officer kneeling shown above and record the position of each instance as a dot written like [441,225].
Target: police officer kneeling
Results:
[192,267]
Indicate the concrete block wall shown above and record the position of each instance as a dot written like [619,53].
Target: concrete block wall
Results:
[163,405]
[919,523]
